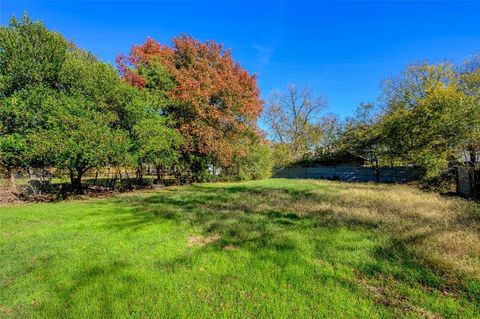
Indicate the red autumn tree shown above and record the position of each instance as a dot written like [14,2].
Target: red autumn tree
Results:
[216,102]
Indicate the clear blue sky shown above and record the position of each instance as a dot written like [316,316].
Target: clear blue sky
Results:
[340,49]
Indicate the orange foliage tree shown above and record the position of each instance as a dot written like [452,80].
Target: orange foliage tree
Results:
[215,102]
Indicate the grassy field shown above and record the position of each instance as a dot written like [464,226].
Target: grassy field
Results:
[275,248]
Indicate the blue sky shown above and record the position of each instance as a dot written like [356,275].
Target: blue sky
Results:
[342,50]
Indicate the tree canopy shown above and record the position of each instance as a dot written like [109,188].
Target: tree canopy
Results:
[427,116]
[188,106]
[213,101]
[191,109]
[62,108]
[294,118]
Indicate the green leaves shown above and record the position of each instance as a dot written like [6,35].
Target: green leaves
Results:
[61,107]
[29,55]
[430,117]
[155,142]
[257,164]
[81,144]
[13,148]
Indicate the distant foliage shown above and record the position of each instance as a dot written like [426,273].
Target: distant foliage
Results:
[293,117]
[428,117]
[256,164]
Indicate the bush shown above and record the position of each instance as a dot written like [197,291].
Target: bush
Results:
[257,165]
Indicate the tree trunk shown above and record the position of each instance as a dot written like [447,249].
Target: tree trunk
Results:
[196,170]
[129,183]
[114,181]
[76,181]
[107,182]
[159,174]
[374,164]
[11,179]
[121,179]
[140,175]
[95,180]
[473,157]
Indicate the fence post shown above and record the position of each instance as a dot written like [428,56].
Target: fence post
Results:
[471,179]
[457,180]
[476,185]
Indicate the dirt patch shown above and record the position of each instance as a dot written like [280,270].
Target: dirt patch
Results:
[8,196]
[6,310]
[230,247]
[384,296]
[200,241]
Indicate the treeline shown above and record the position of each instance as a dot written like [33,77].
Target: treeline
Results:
[188,108]
[428,117]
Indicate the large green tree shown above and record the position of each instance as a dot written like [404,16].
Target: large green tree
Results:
[31,58]
[77,138]
[429,117]
[61,107]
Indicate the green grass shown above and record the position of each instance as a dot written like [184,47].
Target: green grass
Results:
[275,248]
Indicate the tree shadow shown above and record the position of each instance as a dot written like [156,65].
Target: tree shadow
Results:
[104,283]
[261,218]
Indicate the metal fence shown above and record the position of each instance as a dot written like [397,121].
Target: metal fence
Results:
[468,181]
[350,173]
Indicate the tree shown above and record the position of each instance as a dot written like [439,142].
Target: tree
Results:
[469,83]
[257,164]
[362,135]
[329,128]
[79,140]
[156,143]
[94,98]
[30,61]
[281,155]
[428,117]
[62,107]
[292,118]
[213,101]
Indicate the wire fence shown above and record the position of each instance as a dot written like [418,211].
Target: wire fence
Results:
[44,182]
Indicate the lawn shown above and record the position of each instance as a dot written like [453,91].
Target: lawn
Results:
[275,248]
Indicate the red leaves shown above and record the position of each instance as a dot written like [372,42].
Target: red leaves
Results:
[222,96]
[139,56]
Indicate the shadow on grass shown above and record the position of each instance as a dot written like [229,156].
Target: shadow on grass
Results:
[260,218]
[93,282]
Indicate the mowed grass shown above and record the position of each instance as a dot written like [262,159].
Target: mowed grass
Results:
[275,248]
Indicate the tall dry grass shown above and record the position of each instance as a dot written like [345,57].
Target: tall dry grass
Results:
[443,232]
